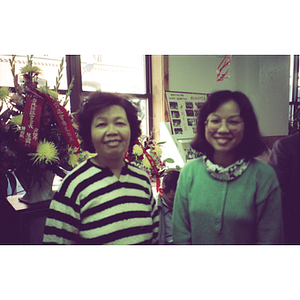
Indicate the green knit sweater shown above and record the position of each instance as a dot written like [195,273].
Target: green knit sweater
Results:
[246,210]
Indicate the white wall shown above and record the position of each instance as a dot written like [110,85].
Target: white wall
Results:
[263,78]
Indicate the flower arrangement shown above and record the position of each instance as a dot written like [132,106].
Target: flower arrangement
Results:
[36,131]
[147,155]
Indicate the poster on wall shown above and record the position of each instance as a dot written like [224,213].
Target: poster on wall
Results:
[183,111]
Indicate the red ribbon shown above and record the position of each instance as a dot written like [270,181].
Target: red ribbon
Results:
[30,127]
[225,62]
[31,121]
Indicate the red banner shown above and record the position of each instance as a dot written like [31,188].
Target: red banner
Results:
[63,120]
[31,121]
[30,127]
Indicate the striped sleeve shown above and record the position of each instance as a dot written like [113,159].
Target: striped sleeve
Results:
[92,206]
[154,209]
[62,223]
[141,179]
[155,218]
[63,219]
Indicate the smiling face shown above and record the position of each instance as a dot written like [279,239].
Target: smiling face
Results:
[224,129]
[110,133]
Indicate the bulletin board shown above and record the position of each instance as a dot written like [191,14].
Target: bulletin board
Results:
[183,111]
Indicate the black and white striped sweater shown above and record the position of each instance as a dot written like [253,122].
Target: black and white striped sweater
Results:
[93,206]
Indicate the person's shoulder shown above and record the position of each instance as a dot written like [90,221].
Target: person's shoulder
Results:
[79,169]
[135,170]
[194,162]
[193,166]
[294,136]
[262,169]
[288,141]
[292,141]
[83,165]
[260,165]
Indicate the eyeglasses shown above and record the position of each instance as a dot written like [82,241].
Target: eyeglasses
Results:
[232,124]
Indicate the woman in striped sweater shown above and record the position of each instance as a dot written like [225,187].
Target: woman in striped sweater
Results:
[104,200]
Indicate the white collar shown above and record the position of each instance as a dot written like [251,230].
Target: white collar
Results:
[226,174]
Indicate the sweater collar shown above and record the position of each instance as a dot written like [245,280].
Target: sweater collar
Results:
[229,173]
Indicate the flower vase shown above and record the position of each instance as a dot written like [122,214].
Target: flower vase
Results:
[37,190]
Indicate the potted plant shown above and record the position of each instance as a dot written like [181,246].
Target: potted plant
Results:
[37,138]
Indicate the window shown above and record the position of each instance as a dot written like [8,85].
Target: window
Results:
[111,73]
[49,67]
[125,74]
[294,104]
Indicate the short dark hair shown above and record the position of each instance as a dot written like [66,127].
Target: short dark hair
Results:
[98,101]
[170,181]
[252,143]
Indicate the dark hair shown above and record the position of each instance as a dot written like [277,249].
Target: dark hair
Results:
[170,181]
[252,143]
[98,101]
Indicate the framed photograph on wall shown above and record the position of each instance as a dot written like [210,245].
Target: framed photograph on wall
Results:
[183,111]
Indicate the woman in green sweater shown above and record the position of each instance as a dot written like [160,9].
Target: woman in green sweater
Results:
[227,196]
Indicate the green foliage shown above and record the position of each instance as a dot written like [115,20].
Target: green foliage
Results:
[69,91]
[60,75]
[14,160]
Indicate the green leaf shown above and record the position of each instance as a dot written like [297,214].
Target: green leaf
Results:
[4,92]
[58,79]
[160,143]
[169,160]
[69,91]
[7,114]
